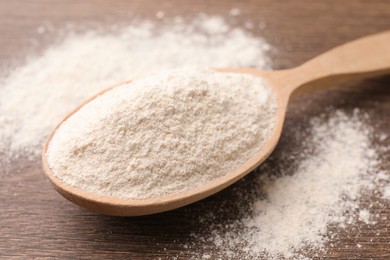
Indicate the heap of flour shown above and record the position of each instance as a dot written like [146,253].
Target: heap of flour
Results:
[163,134]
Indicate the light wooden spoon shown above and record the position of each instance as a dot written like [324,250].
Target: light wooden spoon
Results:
[365,57]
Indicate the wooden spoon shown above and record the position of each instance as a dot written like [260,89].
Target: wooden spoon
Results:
[365,57]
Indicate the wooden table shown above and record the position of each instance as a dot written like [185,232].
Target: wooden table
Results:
[36,222]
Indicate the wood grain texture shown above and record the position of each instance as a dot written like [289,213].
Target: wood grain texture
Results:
[36,222]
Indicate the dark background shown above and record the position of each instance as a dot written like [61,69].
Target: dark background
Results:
[35,221]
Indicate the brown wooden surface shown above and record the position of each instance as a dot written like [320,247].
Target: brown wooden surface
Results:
[37,222]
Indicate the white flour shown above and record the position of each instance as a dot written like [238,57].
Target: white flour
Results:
[290,214]
[35,96]
[307,206]
[163,134]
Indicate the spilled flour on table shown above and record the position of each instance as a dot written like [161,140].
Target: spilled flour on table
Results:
[35,96]
[290,211]
[297,201]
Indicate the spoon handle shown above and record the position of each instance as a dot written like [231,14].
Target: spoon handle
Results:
[358,59]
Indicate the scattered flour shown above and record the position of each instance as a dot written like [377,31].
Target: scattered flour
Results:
[386,193]
[235,12]
[321,191]
[289,214]
[364,216]
[47,87]
[163,134]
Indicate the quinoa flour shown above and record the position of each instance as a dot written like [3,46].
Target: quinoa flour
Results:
[293,212]
[286,187]
[47,87]
[163,134]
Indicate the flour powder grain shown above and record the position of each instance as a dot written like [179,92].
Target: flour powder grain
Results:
[294,212]
[36,95]
[163,134]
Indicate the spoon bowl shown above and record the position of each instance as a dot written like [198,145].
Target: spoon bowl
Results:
[365,57]
[135,207]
